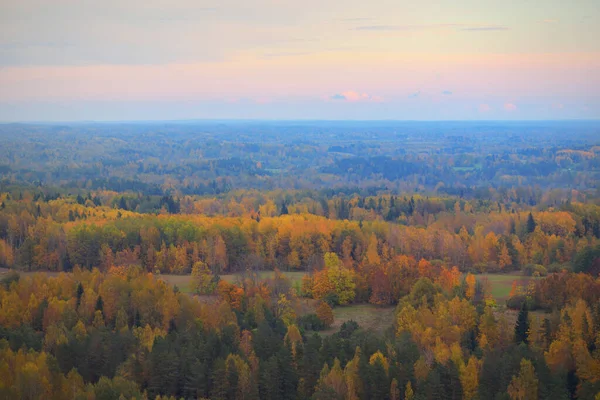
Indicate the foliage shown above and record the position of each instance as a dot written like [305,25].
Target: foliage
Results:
[355,218]
[325,314]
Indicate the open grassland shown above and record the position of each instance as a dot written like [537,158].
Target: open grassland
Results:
[370,317]
[502,283]
[183,281]
[4,271]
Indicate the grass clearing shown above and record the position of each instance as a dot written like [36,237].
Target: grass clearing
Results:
[183,281]
[368,316]
[502,283]
[24,274]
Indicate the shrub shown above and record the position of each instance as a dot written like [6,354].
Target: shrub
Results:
[9,277]
[535,270]
[516,302]
[348,328]
[325,314]
[310,322]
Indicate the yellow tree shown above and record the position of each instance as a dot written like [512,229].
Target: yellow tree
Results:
[504,259]
[394,390]
[284,310]
[372,256]
[341,278]
[525,385]
[408,392]
[325,314]
[471,282]
[469,378]
[202,279]
[334,379]
[294,337]
[352,376]
[379,356]
[319,286]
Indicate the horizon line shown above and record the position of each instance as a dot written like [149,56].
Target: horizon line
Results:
[190,120]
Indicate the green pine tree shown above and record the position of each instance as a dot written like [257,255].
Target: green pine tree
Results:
[531,224]
[522,326]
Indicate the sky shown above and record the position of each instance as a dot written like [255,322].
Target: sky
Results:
[67,60]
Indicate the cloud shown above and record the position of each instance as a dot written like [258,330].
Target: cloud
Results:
[353,97]
[407,28]
[357,19]
[484,28]
[483,108]
[447,93]
[558,106]
[549,21]
[414,95]
[288,54]
[383,28]
[510,107]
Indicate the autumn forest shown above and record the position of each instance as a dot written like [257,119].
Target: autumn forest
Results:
[300,260]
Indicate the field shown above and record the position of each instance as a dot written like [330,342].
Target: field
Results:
[29,273]
[502,284]
[183,281]
[372,318]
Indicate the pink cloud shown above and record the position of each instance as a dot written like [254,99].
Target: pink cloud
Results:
[483,108]
[353,97]
[558,106]
[510,107]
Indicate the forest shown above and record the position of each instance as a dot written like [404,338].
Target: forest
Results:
[221,260]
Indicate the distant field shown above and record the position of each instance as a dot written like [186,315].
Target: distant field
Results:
[26,273]
[502,283]
[183,281]
[373,318]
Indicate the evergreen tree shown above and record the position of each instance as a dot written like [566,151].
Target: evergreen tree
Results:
[531,224]
[219,381]
[100,305]
[547,328]
[310,365]
[270,380]
[434,387]
[79,294]
[284,209]
[122,204]
[522,326]
[233,379]
[379,383]
[137,319]
[289,378]
[194,372]
[411,206]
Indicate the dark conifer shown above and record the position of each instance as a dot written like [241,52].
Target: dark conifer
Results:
[79,293]
[522,326]
[531,224]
